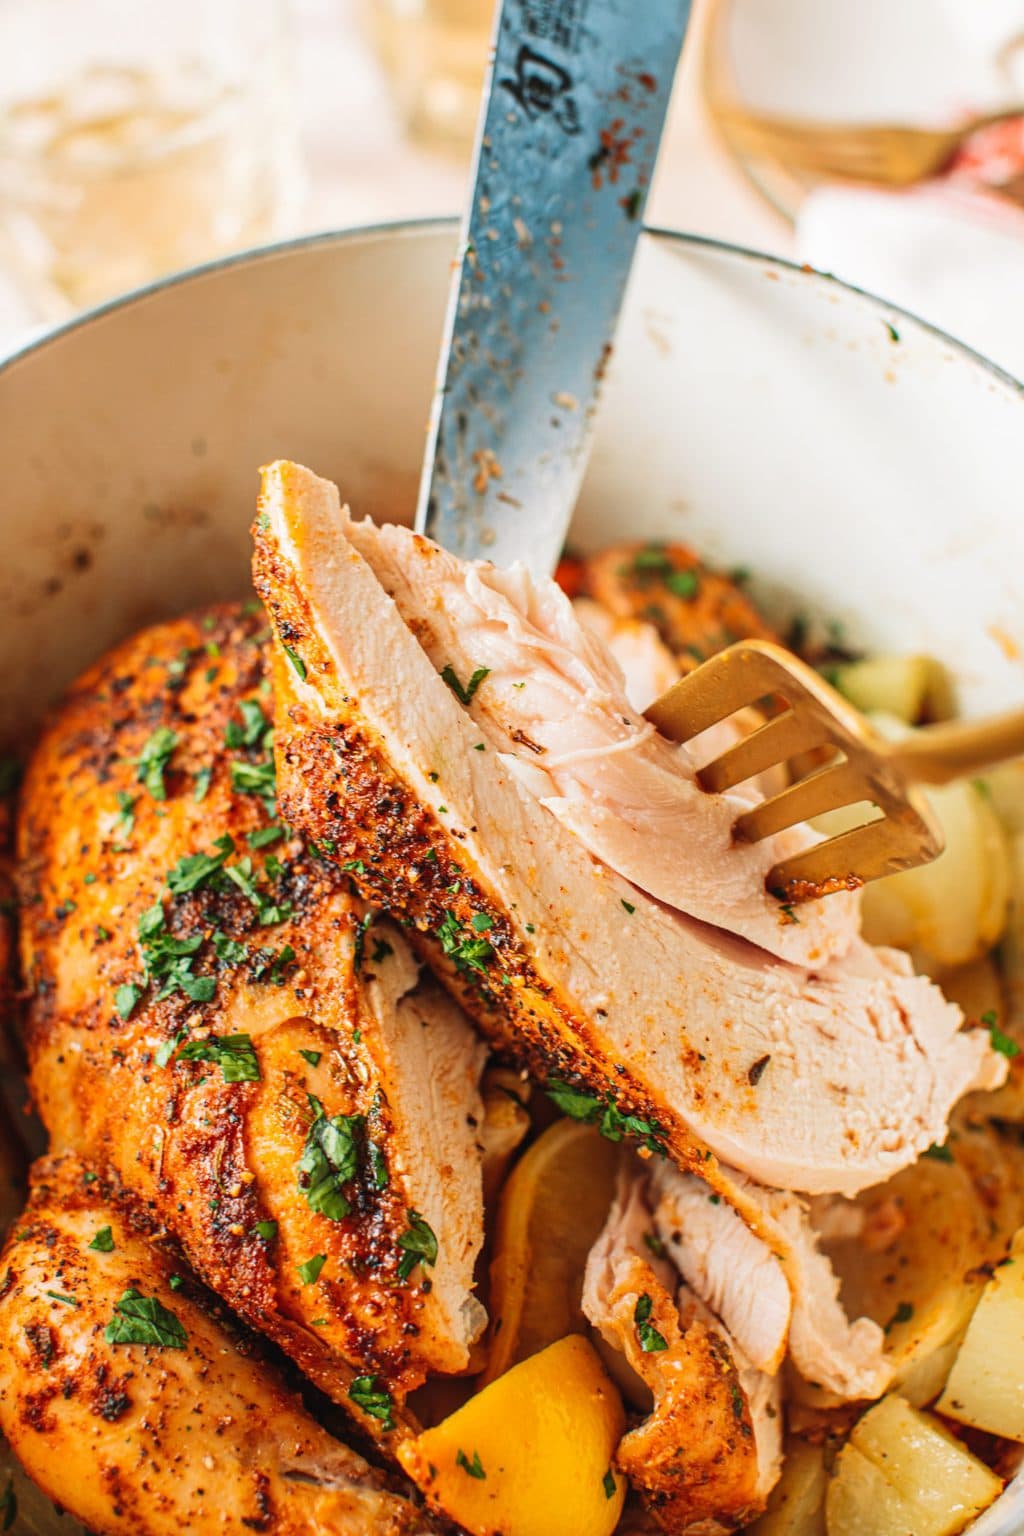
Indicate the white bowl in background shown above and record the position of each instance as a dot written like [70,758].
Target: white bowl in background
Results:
[863,466]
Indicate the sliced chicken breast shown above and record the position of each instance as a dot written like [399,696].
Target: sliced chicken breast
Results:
[811,1080]
[709,1453]
[554,701]
[217,1018]
[770,1284]
[136,1403]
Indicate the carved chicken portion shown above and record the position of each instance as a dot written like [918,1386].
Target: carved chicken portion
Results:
[709,1452]
[216,1018]
[133,1401]
[820,1081]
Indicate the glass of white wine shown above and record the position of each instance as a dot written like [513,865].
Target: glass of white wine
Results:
[139,138]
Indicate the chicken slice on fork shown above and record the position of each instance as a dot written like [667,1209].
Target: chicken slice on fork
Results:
[217,1018]
[821,1081]
[136,1403]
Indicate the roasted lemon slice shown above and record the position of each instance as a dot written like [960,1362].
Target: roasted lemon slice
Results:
[553,1206]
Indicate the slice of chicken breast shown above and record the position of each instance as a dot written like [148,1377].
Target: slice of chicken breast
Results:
[771,1285]
[709,1453]
[817,1081]
[191,1431]
[555,702]
[298,1107]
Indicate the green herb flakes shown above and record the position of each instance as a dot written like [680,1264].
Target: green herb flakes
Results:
[142,1319]
[195,869]
[296,661]
[234,1054]
[472,1468]
[267,1230]
[651,1341]
[372,1399]
[418,1244]
[309,1272]
[608,1484]
[103,1242]
[605,1114]
[1000,1042]
[329,1159]
[153,761]
[464,694]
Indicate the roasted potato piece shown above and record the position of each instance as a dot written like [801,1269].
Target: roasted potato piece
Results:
[986,1384]
[914,689]
[531,1453]
[903,1473]
[796,1505]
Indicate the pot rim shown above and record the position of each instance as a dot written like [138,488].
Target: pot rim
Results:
[414,226]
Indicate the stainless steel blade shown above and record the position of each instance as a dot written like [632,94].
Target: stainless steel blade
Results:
[573,115]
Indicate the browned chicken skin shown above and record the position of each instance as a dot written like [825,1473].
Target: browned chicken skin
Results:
[310,1180]
[194,1432]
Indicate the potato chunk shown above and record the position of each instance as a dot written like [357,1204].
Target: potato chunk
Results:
[796,1505]
[902,1474]
[531,1453]
[985,1388]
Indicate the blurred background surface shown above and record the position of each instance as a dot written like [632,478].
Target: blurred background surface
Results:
[883,142]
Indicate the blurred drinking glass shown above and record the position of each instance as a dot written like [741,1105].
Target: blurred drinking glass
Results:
[436,54]
[138,138]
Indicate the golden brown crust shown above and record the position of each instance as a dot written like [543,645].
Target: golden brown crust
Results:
[214,1158]
[196,1431]
[337,783]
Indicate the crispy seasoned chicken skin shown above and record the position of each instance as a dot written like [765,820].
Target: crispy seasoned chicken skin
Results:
[193,1432]
[239,1039]
[816,1081]
[709,1452]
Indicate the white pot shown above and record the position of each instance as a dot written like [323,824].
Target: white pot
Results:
[864,467]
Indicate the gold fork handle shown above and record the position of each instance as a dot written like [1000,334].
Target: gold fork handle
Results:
[936,754]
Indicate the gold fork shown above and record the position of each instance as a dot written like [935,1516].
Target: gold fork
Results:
[864,768]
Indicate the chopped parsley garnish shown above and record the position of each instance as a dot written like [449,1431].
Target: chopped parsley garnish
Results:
[374,1400]
[378,1164]
[655,1244]
[999,1041]
[266,1229]
[125,999]
[296,661]
[381,950]
[264,837]
[329,1159]
[103,1242]
[469,954]
[67,1301]
[480,922]
[126,811]
[153,760]
[230,951]
[310,1271]
[166,1049]
[359,942]
[472,1468]
[941,1153]
[650,1339]
[254,727]
[628,905]
[202,785]
[418,1244]
[464,694]
[608,1484]
[254,778]
[234,1054]
[142,1319]
[904,1312]
[605,1114]
[685,584]
[195,869]
[356,866]
[894,334]
[268,910]
[175,1282]
[313,1057]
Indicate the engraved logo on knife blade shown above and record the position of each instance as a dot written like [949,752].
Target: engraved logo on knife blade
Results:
[542,87]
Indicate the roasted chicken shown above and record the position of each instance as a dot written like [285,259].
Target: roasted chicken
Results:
[220,1022]
[135,1401]
[824,1079]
